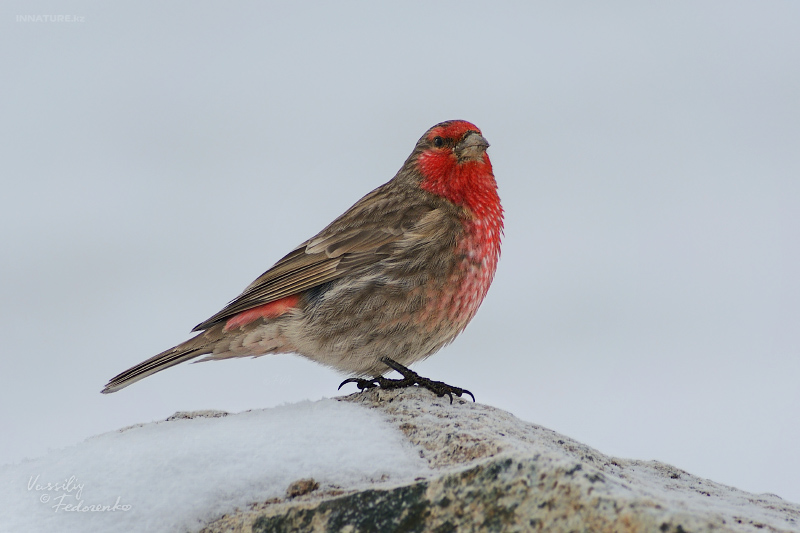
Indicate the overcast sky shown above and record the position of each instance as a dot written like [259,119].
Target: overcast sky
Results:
[157,157]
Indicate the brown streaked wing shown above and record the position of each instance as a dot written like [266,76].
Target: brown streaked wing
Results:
[329,255]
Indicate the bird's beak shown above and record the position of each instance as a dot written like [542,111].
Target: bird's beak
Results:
[471,147]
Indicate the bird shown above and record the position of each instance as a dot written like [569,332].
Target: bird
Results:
[388,283]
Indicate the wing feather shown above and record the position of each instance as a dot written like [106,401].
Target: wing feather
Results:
[352,241]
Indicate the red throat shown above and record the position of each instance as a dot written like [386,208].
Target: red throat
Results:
[470,184]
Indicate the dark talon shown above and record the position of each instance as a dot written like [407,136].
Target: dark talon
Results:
[360,383]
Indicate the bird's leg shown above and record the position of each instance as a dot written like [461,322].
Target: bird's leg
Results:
[409,378]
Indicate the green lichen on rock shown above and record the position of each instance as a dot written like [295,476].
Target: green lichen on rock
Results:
[504,494]
[400,509]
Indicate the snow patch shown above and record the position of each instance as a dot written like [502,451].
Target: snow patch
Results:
[178,475]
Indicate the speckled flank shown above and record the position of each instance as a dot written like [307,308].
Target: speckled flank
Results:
[481,250]
[469,282]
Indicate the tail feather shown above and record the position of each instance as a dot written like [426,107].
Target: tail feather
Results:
[194,347]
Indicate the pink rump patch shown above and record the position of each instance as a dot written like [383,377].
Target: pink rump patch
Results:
[270,310]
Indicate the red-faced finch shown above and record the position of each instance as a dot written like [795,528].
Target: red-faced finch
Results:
[395,278]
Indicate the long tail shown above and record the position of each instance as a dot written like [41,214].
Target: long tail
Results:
[194,347]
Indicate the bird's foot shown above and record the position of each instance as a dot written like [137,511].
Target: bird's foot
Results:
[410,378]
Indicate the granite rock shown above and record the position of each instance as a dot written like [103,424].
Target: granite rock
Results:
[493,472]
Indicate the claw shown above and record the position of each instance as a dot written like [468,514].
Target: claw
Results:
[345,382]
[360,383]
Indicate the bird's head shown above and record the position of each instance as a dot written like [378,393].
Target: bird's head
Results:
[452,161]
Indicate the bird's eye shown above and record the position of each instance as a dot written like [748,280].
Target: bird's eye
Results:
[438,142]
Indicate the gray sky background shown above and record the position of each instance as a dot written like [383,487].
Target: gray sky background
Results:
[157,157]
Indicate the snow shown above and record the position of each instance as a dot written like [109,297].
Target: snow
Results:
[177,475]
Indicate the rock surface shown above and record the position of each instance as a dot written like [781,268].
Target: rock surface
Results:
[493,472]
